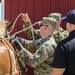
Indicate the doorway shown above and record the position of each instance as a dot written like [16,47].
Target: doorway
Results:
[2,10]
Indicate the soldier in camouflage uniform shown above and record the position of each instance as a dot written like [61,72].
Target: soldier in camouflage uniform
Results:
[42,58]
[59,34]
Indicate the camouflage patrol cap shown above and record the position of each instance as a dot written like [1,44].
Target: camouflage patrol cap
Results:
[56,16]
[47,21]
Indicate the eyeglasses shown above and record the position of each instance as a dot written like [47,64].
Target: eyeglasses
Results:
[43,25]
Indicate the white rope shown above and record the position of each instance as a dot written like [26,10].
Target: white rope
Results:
[16,21]
[14,24]
[23,30]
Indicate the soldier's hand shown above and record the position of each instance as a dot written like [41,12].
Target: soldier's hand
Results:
[11,38]
[17,45]
[25,18]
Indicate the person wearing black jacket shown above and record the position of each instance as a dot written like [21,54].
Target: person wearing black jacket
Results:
[64,55]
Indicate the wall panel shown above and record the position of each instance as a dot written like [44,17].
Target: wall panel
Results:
[54,6]
[63,9]
[30,9]
[14,13]
[21,9]
[37,10]
[71,4]
[7,10]
[46,7]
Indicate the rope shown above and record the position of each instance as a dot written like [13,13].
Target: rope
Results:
[16,21]
[23,30]
[14,24]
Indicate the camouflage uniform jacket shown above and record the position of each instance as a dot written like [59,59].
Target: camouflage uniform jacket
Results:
[58,35]
[30,45]
[42,58]
[29,33]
